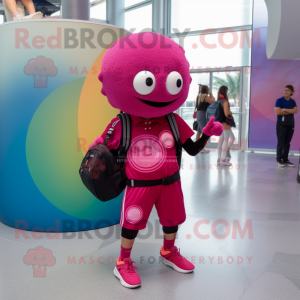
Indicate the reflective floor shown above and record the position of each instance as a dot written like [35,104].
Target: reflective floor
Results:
[242,232]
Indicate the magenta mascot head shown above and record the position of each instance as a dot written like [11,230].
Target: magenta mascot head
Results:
[145,75]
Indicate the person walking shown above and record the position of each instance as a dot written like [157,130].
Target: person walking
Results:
[205,98]
[14,10]
[227,138]
[285,108]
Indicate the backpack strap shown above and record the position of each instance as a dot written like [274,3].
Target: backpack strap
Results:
[175,131]
[125,133]
[173,124]
[110,132]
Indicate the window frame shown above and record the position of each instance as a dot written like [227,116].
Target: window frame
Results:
[95,3]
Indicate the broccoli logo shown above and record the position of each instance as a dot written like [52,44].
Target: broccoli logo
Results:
[40,69]
[39,258]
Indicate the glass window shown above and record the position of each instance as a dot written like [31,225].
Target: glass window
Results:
[186,111]
[98,11]
[132,2]
[218,50]
[232,81]
[140,19]
[203,14]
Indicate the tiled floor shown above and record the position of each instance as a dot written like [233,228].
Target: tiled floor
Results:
[230,264]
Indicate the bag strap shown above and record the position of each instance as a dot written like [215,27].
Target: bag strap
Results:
[174,128]
[175,131]
[125,132]
[110,132]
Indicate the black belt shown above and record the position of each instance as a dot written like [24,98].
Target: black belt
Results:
[146,183]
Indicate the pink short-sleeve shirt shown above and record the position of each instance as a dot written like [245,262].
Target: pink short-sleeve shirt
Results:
[152,153]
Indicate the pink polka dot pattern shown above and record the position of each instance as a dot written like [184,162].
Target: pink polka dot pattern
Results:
[134,214]
[167,139]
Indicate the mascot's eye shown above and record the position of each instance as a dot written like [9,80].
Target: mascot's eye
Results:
[174,83]
[144,82]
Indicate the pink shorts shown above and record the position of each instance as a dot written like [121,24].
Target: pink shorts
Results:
[138,202]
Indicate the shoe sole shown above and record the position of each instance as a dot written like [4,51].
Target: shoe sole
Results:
[35,17]
[227,165]
[281,166]
[117,274]
[170,264]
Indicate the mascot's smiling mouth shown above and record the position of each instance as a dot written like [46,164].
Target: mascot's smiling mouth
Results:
[157,104]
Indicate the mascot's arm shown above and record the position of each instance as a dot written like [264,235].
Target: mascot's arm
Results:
[193,148]
[212,128]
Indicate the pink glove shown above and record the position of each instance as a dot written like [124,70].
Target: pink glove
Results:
[213,128]
[98,140]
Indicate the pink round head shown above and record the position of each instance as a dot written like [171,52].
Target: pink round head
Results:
[145,75]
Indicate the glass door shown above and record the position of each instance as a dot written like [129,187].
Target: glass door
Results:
[232,80]
[238,82]
[186,111]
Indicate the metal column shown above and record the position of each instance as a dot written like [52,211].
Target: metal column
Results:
[76,9]
[158,16]
[115,12]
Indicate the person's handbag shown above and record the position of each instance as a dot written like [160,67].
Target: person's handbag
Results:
[288,120]
[230,121]
[195,125]
[195,115]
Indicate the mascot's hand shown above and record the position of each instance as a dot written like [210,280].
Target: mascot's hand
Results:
[98,140]
[213,128]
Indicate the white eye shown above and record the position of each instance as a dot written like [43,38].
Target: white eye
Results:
[144,82]
[174,83]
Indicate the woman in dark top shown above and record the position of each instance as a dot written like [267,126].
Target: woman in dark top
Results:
[227,138]
[284,106]
[205,98]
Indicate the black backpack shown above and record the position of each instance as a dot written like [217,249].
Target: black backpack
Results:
[215,109]
[102,170]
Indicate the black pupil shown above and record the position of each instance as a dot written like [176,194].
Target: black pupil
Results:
[149,81]
[178,83]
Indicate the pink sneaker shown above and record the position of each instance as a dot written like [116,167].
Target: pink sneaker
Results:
[224,162]
[125,271]
[174,259]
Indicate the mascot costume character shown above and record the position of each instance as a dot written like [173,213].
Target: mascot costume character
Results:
[146,75]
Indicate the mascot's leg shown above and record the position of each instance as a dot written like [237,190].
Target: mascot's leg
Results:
[124,269]
[136,207]
[128,238]
[169,236]
[171,212]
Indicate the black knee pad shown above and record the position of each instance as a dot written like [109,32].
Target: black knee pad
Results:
[170,229]
[129,234]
